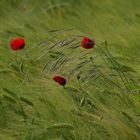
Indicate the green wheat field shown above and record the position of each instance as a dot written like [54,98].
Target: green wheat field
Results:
[101,100]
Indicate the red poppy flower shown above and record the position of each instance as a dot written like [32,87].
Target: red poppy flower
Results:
[60,80]
[87,43]
[17,44]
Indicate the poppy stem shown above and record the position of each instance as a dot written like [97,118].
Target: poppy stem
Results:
[16,58]
[119,71]
[112,82]
[78,78]
[26,55]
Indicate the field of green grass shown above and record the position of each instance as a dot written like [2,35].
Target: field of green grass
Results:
[101,100]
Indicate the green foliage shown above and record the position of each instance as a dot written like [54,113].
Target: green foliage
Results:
[101,99]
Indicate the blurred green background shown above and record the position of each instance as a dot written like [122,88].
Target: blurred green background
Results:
[33,106]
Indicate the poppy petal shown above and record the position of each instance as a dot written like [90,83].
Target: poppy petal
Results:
[17,44]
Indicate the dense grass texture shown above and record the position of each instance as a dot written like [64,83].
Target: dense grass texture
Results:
[101,100]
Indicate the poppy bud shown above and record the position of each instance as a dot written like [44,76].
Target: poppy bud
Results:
[87,43]
[78,77]
[91,58]
[17,44]
[60,80]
